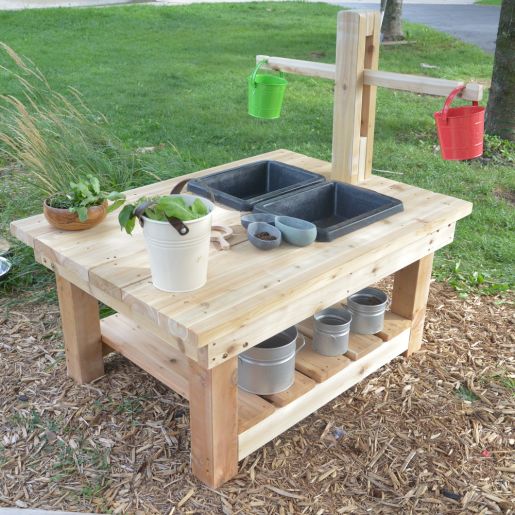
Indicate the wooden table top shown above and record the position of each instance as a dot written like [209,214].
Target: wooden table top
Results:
[250,295]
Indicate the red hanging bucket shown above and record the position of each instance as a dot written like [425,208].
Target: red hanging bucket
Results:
[460,129]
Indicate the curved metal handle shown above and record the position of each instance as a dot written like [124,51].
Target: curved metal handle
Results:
[300,336]
[258,65]
[450,98]
[179,187]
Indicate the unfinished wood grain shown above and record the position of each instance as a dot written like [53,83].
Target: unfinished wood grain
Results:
[251,410]
[348,92]
[214,422]
[393,325]
[284,418]
[421,84]
[409,297]
[227,311]
[362,344]
[368,106]
[372,77]
[301,385]
[319,367]
[81,332]
[329,285]
[148,351]
[168,365]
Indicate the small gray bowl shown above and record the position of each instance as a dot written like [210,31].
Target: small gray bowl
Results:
[257,217]
[296,231]
[257,227]
[5,266]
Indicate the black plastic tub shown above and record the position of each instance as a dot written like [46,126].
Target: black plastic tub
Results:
[243,187]
[335,208]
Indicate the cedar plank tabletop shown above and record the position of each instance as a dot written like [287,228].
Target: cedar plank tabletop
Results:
[250,295]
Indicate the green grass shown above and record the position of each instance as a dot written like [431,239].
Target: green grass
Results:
[176,77]
[488,2]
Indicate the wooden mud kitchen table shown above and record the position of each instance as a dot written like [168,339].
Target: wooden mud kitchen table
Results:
[191,341]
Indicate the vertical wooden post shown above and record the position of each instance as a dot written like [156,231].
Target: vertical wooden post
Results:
[348,92]
[368,105]
[81,332]
[409,298]
[214,422]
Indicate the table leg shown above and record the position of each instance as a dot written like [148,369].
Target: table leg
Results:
[214,422]
[409,299]
[81,332]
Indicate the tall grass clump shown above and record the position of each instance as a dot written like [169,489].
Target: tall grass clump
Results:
[55,139]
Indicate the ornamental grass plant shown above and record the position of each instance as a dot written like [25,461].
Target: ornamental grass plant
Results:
[52,139]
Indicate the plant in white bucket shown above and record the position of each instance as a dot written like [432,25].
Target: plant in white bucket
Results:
[177,230]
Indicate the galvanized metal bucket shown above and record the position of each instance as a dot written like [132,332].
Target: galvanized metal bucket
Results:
[367,307]
[269,367]
[331,331]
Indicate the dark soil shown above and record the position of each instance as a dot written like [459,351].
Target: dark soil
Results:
[265,236]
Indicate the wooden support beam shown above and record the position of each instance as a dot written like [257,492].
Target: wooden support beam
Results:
[214,422]
[81,331]
[409,298]
[348,93]
[368,105]
[391,80]
[298,67]
[420,84]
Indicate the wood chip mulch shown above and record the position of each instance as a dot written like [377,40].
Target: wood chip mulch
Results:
[432,434]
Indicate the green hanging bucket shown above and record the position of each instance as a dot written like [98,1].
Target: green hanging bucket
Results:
[266,94]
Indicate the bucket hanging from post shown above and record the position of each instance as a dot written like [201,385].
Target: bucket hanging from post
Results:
[266,94]
[460,129]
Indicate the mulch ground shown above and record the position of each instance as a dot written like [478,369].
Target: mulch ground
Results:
[432,434]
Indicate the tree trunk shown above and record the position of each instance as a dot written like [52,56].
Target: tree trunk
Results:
[392,23]
[500,110]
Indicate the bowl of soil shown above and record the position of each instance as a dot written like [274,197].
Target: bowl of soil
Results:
[263,236]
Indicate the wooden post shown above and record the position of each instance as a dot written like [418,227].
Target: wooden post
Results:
[81,332]
[348,91]
[214,422]
[368,105]
[409,298]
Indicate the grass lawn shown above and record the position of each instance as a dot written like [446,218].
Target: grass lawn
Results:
[176,77]
[489,2]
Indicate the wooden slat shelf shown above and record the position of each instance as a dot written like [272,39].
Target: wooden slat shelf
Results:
[318,378]
[301,385]
[169,365]
[287,416]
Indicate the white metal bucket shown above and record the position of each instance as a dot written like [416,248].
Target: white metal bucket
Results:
[178,263]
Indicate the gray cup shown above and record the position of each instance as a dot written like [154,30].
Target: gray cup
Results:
[367,307]
[331,331]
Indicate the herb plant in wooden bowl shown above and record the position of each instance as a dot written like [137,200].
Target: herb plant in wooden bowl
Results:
[177,231]
[82,207]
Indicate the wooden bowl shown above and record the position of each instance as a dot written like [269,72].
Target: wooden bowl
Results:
[63,219]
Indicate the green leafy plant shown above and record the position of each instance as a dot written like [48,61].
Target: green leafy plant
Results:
[475,282]
[161,209]
[84,194]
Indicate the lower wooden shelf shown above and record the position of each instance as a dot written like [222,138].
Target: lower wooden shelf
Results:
[333,375]
[169,366]
[318,379]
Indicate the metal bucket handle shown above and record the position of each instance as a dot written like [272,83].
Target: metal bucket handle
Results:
[258,65]
[450,98]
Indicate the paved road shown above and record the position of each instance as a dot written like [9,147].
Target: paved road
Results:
[475,24]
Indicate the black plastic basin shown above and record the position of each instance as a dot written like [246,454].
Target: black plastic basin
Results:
[335,208]
[243,187]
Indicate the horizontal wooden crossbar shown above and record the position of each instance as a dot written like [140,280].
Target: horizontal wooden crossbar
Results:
[390,80]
